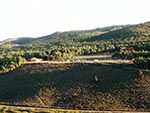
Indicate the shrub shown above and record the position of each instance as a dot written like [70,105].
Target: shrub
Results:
[141,75]
[96,78]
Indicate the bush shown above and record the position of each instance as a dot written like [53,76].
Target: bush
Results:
[96,78]
[141,75]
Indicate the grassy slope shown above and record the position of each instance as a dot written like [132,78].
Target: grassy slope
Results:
[73,86]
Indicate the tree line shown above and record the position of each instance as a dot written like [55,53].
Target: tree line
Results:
[9,63]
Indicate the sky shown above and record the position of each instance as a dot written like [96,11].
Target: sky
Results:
[35,18]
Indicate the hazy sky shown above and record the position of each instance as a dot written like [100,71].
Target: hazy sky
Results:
[34,18]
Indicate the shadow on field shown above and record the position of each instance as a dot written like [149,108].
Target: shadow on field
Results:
[74,86]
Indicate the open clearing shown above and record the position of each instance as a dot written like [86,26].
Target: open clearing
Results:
[101,58]
[89,61]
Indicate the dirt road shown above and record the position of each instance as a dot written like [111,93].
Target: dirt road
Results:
[36,109]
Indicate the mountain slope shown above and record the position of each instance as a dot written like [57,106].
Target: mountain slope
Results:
[8,41]
[77,35]
[23,40]
[13,42]
[73,86]
[139,30]
[112,32]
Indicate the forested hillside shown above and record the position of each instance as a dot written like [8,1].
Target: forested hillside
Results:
[78,35]
[66,45]
[132,31]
